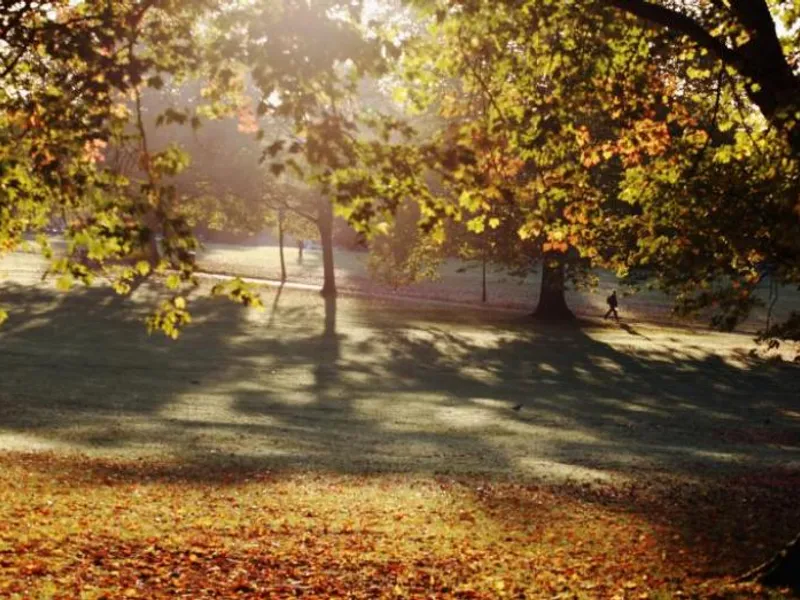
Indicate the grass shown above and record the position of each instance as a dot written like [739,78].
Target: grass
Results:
[458,281]
[97,528]
[387,387]
[461,282]
[369,449]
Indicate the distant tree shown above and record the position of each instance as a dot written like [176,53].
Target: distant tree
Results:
[305,214]
[400,253]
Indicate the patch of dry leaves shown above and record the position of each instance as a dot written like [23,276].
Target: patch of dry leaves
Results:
[75,527]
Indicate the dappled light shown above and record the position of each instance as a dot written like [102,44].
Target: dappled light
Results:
[339,386]
[400,299]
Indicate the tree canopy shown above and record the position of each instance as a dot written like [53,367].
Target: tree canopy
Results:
[615,133]
[637,133]
[74,75]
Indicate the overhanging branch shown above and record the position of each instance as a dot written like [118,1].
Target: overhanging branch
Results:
[678,22]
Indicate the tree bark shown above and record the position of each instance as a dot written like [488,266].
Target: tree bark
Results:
[153,252]
[280,246]
[782,570]
[483,278]
[552,302]
[325,226]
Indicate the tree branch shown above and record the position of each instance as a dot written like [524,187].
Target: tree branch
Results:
[678,22]
[482,82]
[283,203]
[10,66]
[713,123]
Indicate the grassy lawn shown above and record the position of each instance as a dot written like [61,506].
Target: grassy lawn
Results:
[371,449]
[461,282]
[457,281]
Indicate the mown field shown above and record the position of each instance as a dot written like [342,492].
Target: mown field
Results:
[367,448]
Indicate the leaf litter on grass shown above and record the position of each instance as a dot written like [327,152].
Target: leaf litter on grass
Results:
[79,527]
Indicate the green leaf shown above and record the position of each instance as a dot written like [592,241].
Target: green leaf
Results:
[64,283]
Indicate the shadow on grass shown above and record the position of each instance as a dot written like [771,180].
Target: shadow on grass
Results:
[311,385]
[389,389]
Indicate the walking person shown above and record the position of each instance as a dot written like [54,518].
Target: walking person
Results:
[612,306]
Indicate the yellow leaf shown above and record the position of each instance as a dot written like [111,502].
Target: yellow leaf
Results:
[142,267]
[64,283]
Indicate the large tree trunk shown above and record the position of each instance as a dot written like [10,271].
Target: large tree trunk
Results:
[325,226]
[782,570]
[552,302]
[484,295]
[280,246]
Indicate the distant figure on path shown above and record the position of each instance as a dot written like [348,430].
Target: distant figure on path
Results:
[612,306]
[300,245]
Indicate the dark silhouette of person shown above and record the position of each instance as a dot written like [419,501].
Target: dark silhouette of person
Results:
[612,305]
[300,246]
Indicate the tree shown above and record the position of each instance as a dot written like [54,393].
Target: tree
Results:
[512,150]
[742,36]
[400,254]
[303,209]
[75,75]
[634,126]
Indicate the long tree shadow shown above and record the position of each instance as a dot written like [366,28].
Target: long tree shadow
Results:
[611,408]
[84,373]
[81,368]
[378,389]
[387,390]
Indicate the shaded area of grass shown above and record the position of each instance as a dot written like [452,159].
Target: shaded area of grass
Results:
[388,388]
[76,527]
[356,388]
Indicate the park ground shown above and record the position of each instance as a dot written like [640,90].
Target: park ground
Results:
[458,281]
[370,448]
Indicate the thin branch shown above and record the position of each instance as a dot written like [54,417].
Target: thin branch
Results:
[12,65]
[483,84]
[738,102]
[300,213]
[699,156]
[142,132]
